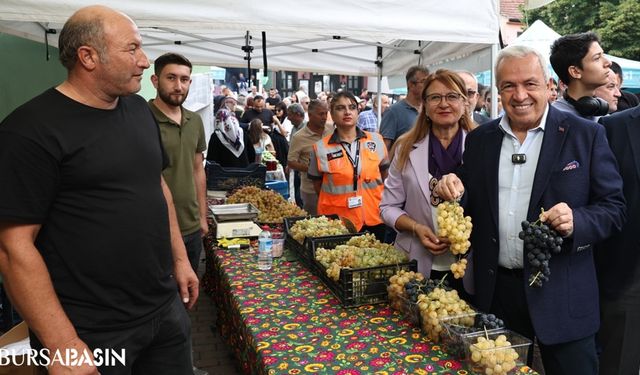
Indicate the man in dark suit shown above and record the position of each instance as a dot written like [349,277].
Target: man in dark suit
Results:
[618,258]
[539,157]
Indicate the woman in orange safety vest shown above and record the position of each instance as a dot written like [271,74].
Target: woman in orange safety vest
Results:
[348,168]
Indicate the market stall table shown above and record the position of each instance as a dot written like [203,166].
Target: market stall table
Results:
[285,321]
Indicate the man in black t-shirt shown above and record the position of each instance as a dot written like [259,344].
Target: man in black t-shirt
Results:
[90,249]
[258,111]
[273,98]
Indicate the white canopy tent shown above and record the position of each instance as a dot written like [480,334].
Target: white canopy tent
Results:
[374,38]
[331,36]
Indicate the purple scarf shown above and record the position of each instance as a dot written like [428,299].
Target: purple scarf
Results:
[441,160]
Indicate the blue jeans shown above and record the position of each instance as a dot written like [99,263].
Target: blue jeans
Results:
[193,243]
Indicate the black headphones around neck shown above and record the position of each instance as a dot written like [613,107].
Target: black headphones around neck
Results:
[588,105]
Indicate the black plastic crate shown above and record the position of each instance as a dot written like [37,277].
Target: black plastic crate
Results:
[228,179]
[303,249]
[360,286]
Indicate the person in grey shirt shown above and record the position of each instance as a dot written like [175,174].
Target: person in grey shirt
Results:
[401,116]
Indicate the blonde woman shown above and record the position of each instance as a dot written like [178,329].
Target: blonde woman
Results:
[431,149]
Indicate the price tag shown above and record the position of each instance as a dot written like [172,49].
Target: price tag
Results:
[353,202]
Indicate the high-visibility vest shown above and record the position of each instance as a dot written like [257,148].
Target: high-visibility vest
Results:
[338,182]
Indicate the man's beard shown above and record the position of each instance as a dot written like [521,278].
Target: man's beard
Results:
[169,99]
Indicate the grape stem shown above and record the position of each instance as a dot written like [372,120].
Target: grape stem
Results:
[538,222]
[534,278]
[442,280]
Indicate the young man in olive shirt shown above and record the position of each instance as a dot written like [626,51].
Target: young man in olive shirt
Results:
[184,141]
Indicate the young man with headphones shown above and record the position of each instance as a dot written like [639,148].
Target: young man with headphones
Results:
[580,63]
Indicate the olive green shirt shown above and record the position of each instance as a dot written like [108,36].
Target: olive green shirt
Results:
[181,143]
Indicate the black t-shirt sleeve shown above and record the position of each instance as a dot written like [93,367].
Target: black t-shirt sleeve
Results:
[30,178]
[165,156]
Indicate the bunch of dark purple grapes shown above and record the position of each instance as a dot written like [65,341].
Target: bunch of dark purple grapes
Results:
[412,288]
[488,321]
[540,242]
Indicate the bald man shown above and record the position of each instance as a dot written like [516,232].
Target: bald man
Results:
[90,248]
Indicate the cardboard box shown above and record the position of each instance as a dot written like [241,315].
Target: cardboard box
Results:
[18,333]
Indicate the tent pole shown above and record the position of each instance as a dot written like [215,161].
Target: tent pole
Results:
[264,59]
[247,49]
[379,85]
[494,89]
[495,48]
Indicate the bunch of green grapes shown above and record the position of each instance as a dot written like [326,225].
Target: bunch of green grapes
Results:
[458,268]
[316,227]
[437,305]
[496,357]
[272,206]
[352,255]
[456,227]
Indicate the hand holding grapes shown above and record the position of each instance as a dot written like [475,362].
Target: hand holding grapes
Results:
[429,239]
[449,187]
[560,218]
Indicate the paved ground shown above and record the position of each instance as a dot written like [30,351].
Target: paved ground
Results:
[210,354]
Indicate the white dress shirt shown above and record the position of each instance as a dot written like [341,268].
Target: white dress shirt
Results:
[515,182]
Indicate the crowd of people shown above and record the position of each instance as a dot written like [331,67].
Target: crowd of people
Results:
[100,183]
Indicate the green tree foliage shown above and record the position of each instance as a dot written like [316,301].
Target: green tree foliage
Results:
[616,21]
[619,31]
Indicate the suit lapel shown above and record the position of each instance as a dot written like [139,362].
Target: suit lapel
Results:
[418,156]
[555,133]
[633,129]
[492,158]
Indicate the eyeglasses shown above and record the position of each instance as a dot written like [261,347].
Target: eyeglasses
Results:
[341,108]
[451,98]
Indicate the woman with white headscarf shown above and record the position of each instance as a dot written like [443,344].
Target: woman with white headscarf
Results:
[228,143]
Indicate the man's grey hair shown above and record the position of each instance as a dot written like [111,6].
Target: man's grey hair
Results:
[295,108]
[516,51]
[315,103]
[374,99]
[78,32]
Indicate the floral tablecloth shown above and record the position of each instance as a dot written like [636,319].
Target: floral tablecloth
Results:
[285,321]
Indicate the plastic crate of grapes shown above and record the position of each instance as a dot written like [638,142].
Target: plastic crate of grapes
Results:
[457,327]
[501,350]
[302,249]
[356,286]
[228,179]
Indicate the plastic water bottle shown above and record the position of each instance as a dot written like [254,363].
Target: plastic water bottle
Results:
[265,254]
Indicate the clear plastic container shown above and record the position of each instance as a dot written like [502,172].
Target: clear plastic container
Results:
[265,254]
[278,244]
[500,359]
